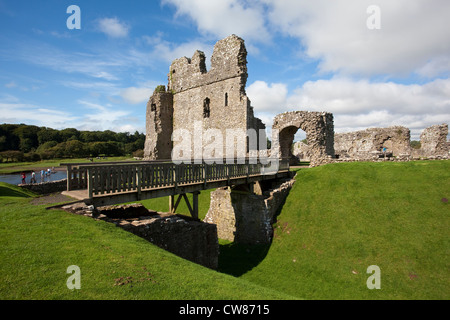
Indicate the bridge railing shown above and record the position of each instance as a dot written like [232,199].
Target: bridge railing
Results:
[136,176]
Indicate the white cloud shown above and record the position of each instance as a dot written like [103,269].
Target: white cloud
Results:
[222,18]
[414,36]
[35,115]
[135,95]
[103,117]
[265,97]
[359,104]
[168,51]
[113,27]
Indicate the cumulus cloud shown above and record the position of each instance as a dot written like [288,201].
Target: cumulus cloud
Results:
[169,51]
[221,18]
[359,104]
[267,97]
[135,95]
[113,27]
[413,36]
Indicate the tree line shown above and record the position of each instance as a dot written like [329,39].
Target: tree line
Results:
[22,142]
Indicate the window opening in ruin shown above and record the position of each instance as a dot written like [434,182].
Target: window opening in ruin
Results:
[153,107]
[206,110]
[226,99]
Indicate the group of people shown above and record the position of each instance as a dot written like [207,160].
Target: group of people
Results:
[44,174]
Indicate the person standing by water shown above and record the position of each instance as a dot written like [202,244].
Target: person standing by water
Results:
[33,177]
[24,176]
[42,175]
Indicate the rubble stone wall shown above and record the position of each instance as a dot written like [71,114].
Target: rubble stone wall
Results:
[188,238]
[46,187]
[159,122]
[433,141]
[244,217]
[369,144]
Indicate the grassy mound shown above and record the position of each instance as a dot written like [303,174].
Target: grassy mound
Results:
[340,219]
[38,246]
[336,222]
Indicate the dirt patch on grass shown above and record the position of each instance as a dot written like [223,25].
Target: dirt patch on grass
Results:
[51,199]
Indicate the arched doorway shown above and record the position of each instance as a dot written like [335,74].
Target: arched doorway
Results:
[319,129]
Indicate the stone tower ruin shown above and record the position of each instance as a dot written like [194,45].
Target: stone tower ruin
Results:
[197,100]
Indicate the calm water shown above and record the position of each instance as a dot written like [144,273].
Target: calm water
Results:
[17,178]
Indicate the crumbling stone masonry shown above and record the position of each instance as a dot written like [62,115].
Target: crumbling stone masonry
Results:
[46,187]
[159,118]
[247,217]
[213,99]
[190,239]
[369,144]
[301,151]
[433,142]
[319,130]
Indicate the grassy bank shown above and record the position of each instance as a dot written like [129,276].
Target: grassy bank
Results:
[340,219]
[38,245]
[336,222]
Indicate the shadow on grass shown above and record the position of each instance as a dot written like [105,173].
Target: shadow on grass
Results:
[236,258]
[8,192]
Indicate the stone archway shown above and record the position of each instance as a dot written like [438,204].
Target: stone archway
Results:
[319,130]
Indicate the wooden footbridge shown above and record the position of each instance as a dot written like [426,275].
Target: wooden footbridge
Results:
[119,182]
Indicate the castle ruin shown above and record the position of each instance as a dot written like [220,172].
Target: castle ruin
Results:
[202,105]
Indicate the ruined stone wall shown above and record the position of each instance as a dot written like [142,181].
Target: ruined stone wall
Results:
[368,144]
[319,128]
[190,239]
[245,217]
[159,118]
[46,187]
[433,141]
[301,151]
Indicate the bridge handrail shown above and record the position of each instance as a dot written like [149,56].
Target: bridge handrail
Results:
[135,176]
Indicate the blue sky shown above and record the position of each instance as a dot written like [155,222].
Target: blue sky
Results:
[302,55]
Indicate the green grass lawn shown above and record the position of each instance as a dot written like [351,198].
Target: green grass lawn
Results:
[38,246]
[337,220]
[340,219]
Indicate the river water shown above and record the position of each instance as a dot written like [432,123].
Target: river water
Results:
[17,178]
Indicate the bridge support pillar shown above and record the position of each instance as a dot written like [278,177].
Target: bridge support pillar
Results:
[245,217]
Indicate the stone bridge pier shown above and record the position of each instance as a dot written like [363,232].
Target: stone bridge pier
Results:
[245,213]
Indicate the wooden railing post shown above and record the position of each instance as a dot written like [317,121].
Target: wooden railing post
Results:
[138,181]
[204,174]
[90,183]
[69,177]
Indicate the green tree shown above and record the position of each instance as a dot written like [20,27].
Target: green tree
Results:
[75,148]
[48,134]
[69,134]
[415,144]
[27,136]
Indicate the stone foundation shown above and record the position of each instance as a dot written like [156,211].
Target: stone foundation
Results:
[46,187]
[190,239]
[245,217]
